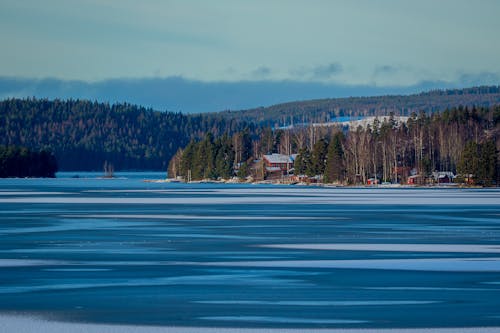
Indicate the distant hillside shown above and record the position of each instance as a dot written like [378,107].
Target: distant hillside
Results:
[324,110]
[83,135]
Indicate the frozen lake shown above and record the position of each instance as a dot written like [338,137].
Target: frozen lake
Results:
[122,251]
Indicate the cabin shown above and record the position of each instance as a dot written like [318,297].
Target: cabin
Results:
[278,162]
[372,181]
[416,180]
[443,177]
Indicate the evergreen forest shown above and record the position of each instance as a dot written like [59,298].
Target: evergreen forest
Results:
[440,135]
[84,135]
[22,162]
[325,110]
[463,141]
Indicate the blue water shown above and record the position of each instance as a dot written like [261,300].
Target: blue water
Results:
[128,251]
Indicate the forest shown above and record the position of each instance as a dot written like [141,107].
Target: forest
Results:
[326,110]
[86,135]
[83,135]
[22,162]
[462,141]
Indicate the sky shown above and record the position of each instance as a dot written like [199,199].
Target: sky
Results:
[353,47]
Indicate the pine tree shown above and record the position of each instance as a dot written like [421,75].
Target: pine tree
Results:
[224,158]
[488,163]
[318,157]
[188,159]
[335,166]
[469,161]
[302,161]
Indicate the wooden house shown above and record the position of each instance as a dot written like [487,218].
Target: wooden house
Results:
[278,162]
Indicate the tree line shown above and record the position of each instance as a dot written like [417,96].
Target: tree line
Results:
[325,110]
[22,162]
[460,140]
[84,134]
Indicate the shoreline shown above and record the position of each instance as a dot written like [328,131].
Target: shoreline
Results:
[28,323]
[328,185]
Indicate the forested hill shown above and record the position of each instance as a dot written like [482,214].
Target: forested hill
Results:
[83,134]
[324,110]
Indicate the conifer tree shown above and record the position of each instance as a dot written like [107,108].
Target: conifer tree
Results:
[469,160]
[302,161]
[224,158]
[488,164]
[318,157]
[188,159]
[335,169]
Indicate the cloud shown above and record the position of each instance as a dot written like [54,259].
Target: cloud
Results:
[482,78]
[386,69]
[399,69]
[327,71]
[261,72]
[405,75]
[319,73]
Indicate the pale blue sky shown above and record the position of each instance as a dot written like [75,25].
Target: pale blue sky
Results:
[382,43]
[210,55]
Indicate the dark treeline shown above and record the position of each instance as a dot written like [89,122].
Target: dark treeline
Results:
[83,134]
[21,162]
[324,110]
[213,158]
[460,140]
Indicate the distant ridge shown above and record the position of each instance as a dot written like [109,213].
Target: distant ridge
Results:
[324,110]
[84,135]
[192,96]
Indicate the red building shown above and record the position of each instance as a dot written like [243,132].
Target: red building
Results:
[278,162]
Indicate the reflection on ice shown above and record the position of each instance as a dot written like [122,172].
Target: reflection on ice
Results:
[437,264]
[77,224]
[31,193]
[319,303]
[77,269]
[214,236]
[193,255]
[460,248]
[28,323]
[437,289]
[191,217]
[248,280]
[285,196]
[283,320]
[93,250]
[28,262]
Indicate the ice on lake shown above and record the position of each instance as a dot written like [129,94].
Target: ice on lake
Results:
[126,252]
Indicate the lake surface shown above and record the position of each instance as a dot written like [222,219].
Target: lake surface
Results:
[125,251]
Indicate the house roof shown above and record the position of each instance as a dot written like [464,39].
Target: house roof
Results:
[278,158]
[443,174]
